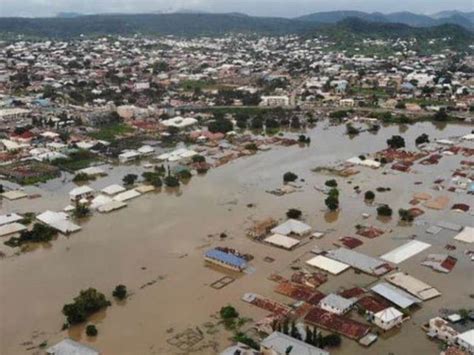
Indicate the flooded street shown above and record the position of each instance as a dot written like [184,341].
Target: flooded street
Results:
[155,248]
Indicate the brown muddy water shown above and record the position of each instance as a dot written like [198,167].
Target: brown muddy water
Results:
[155,247]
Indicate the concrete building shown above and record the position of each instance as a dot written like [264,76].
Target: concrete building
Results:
[388,318]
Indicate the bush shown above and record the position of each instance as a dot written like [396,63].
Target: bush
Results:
[244,339]
[129,179]
[405,215]
[333,192]
[40,233]
[81,211]
[331,183]
[332,202]
[369,195]
[91,330]
[289,177]
[220,125]
[152,178]
[396,142]
[332,340]
[251,146]
[421,139]
[228,312]
[80,177]
[198,158]
[120,292]
[87,303]
[171,181]
[293,213]
[384,211]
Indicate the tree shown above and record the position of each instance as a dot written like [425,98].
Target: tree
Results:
[294,331]
[91,330]
[81,210]
[86,303]
[332,340]
[171,181]
[331,183]
[153,178]
[286,329]
[351,130]
[198,158]
[396,142]
[421,139]
[80,177]
[120,292]
[384,211]
[309,336]
[332,202]
[405,215]
[369,195]
[289,177]
[129,179]
[228,312]
[293,213]
[441,116]
[221,125]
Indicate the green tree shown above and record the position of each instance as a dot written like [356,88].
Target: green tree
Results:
[331,183]
[85,304]
[332,202]
[120,292]
[384,211]
[396,142]
[289,177]
[129,179]
[405,215]
[293,213]
[369,195]
[91,330]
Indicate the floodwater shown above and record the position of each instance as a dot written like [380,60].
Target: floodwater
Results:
[155,247]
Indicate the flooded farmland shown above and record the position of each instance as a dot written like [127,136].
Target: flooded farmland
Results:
[156,246]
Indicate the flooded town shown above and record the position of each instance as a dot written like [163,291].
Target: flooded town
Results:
[236,194]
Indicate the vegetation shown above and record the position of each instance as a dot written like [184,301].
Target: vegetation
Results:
[228,312]
[422,138]
[351,130]
[332,340]
[129,179]
[76,160]
[120,292]
[85,304]
[111,132]
[332,202]
[40,233]
[294,213]
[369,195]
[153,178]
[91,330]
[81,177]
[331,183]
[221,125]
[171,181]
[198,159]
[81,210]
[384,211]
[405,215]
[245,339]
[396,142]
[289,177]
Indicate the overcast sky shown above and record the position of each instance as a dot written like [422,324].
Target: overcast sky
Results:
[284,8]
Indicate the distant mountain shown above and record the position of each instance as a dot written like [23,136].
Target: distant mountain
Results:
[218,24]
[68,14]
[446,14]
[407,18]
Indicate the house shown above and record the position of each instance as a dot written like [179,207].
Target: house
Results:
[274,101]
[59,221]
[440,329]
[292,226]
[71,347]
[278,344]
[466,341]
[227,260]
[336,304]
[128,156]
[180,122]
[388,318]
[81,192]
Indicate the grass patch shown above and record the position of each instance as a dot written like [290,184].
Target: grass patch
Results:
[110,132]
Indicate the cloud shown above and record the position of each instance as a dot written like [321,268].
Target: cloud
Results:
[285,8]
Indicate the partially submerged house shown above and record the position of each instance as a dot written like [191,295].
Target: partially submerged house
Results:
[226,260]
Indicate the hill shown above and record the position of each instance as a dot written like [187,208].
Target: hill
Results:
[407,18]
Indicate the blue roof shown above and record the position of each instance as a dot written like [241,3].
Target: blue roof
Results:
[226,258]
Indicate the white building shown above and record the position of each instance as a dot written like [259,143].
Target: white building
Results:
[466,341]
[274,101]
[128,156]
[81,192]
[336,304]
[388,318]
[440,329]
